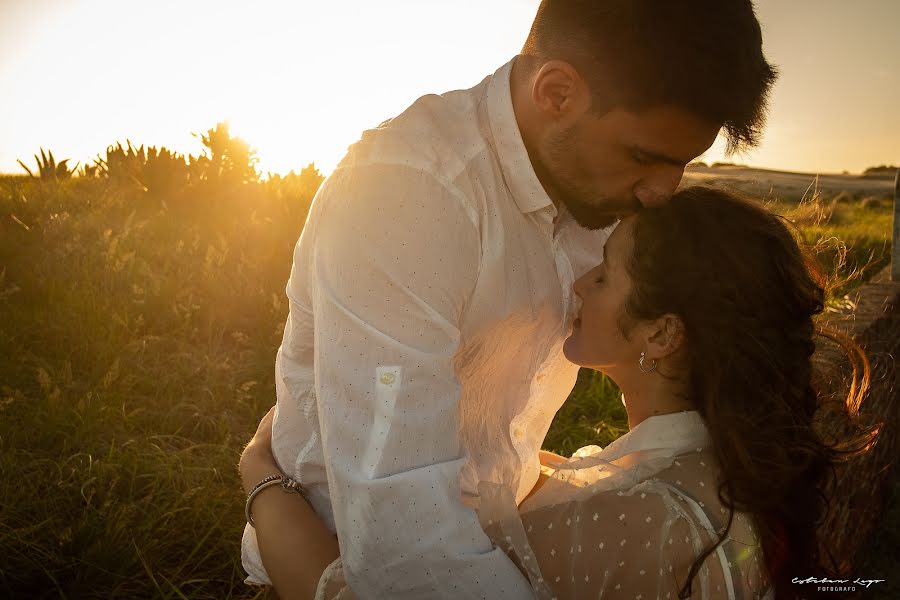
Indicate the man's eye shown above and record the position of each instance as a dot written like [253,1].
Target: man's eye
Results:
[640,157]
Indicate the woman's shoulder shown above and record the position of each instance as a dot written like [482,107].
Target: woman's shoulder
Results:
[657,524]
[683,495]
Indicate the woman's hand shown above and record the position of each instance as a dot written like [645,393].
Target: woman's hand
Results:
[550,459]
[257,461]
[549,462]
[294,544]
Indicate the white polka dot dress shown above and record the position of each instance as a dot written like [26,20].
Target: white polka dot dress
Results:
[645,508]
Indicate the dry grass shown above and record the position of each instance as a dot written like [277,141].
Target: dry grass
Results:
[138,336]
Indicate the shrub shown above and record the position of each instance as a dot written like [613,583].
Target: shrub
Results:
[48,168]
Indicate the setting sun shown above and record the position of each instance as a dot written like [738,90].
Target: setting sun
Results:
[300,80]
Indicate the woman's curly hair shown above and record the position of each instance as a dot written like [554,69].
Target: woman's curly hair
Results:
[749,295]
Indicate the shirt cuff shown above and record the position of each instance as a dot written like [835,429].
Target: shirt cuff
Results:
[251,560]
[332,585]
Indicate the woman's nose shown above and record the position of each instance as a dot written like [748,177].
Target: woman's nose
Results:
[578,303]
[576,287]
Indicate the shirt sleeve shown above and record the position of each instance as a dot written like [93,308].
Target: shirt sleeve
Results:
[395,259]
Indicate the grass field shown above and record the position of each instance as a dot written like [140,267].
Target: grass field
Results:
[138,332]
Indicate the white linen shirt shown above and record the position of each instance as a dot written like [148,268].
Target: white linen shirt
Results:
[430,295]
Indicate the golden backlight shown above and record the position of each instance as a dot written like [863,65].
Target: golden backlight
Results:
[300,80]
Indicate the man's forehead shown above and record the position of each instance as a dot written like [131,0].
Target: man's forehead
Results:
[669,133]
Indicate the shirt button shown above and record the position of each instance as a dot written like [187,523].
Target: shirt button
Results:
[541,377]
[388,378]
[518,433]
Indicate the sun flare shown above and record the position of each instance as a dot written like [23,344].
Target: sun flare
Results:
[300,80]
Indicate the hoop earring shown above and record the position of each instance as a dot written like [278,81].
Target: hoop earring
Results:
[641,364]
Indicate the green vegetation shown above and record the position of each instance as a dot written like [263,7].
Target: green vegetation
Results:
[850,235]
[142,302]
[48,168]
[883,170]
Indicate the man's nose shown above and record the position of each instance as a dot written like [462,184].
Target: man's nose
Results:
[658,190]
[650,197]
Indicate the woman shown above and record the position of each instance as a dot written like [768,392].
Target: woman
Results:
[703,313]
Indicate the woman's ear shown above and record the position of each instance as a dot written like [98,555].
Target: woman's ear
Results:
[665,337]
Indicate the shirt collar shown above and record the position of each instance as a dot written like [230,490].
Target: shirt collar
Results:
[681,431]
[518,172]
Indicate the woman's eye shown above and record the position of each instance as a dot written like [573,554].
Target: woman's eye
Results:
[599,279]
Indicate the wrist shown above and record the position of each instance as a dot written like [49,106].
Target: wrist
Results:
[284,482]
[255,465]
[254,476]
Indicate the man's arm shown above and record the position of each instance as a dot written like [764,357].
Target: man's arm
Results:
[395,260]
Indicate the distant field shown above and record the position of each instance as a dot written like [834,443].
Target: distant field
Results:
[789,186]
[848,218]
[138,331]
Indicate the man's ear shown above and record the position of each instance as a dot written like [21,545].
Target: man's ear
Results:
[560,93]
[665,337]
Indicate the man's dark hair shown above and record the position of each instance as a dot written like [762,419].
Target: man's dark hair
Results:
[703,56]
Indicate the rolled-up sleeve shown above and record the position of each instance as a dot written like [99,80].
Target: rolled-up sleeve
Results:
[395,258]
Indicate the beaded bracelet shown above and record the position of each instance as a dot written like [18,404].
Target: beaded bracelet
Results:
[287,485]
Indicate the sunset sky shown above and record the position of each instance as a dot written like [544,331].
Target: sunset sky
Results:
[300,80]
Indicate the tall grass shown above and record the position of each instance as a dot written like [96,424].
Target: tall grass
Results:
[137,338]
[850,236]
[138,332]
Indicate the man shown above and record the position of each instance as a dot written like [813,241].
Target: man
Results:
[431,288]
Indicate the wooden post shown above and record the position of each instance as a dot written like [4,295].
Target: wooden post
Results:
[895,250]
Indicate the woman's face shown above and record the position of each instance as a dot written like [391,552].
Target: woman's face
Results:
[597,341]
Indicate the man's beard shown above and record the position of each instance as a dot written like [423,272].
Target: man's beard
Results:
[588,215]
[589,209]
